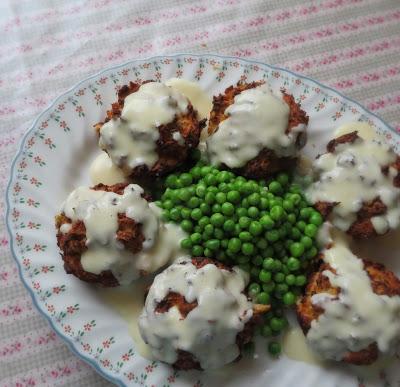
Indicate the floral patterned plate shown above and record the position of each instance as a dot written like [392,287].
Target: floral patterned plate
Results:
[54,158]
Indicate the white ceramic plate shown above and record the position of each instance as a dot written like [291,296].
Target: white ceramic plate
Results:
[54,158]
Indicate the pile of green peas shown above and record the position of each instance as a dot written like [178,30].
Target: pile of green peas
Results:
[266,228]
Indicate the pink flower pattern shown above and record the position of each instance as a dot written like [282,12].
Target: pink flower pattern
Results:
[27,106]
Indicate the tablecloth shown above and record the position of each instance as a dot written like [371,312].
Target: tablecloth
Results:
[46,46]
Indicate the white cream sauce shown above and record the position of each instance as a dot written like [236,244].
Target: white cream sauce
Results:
[102,170]
[257,119]
[351,176]
[295,347]
[128,302]
[194,93]
[99,212]
[209,330]
[364,130]
[131,139]
[357,317]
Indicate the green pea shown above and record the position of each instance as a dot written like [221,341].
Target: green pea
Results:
[272,235]
[244,222]
[277,213]
[312,252]
[263,298]
[196,172]
[205,208]
[201,191]
[197,251]
[305,213]
[196,214]
[301,225]
[234,245]
[210,180]
[290,279]
[266,331]
[240,211]
[306,242]
[264,204]
[183,195]
[227,209]
[279,277]
[274,348]
[185,213]
[233,197]
[195,238]
[186,225]
[288,205]
[224,243]
[219,233]
[193,202]
[268,287]
[213,244]
[245,203]
[268,263]
[283,178]
[216,208]
[186,179]
[311,230]
[203,221]
[208,229]
[267,222]
[301,280]
[220,198]
[245,236]
[289,298]
[262,244]
[186,243]
[265,276]
[229,225]
[257,260]
[254,199]
[223,177]
[223,187]
[208,253]
[168,204]
[295,233]
[253,212]
[275,187]
[293,264]
[255,228]
[247,248]
[277,324]
[171,181]
[291,218]
[316,218]
[237,230]
[296,249]
[175,214]
[254,289]
[209,198]
[295,198]
[217,219]
[277,265]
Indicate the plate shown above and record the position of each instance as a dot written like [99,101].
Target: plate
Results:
[53,159]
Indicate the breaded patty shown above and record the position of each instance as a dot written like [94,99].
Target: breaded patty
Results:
[267,162]
[186,360]
[73,243]
[362,228]
[171,153]
[383,282]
